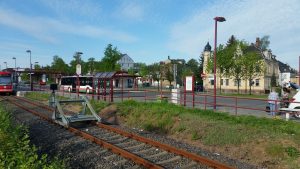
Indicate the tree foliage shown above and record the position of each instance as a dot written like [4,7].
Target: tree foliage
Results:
[265,42]
[110,59]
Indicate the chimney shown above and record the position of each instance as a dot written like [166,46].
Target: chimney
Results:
[257,43]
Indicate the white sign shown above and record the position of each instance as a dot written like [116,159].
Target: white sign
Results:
[189,83]
[78,69]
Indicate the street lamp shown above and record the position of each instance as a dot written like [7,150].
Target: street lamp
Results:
[299,72]
[31,86]
[5,64]
[217,19]
[14,58]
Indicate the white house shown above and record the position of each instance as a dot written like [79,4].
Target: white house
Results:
[126,62]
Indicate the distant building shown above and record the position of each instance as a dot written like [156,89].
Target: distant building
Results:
[260,84]
[286,74]
[126,62]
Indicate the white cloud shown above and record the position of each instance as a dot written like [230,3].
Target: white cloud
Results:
[130,10]
[77,7]
[46,29]
[246,20]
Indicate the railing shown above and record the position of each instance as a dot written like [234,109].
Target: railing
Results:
[231,104]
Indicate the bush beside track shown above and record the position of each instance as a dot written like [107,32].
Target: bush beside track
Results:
[15,148]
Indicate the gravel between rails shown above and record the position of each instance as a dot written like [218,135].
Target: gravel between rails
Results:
[189,148]
[84,154]
[56,141]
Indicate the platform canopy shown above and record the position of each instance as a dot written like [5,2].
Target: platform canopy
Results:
[112,75]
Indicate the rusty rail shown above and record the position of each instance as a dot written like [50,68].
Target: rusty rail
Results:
[96,140]
[192,156]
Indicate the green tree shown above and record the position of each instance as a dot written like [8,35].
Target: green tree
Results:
[237,64]
[264,42]
[155,72]
[193,65]
[110,59]
[252,67]
[168,72]
[58,64]
[273,80]
[91,65]
[77,60]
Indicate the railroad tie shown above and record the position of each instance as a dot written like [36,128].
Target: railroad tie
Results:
[136,146]
[190,165]
[176,158]
[145,150]
[159,154]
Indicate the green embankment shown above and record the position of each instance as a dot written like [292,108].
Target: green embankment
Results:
[16,150]
[262,141]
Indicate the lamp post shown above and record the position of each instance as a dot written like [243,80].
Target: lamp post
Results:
[299,72]
[5,65]
[14,58]
[30,79]
[217,19]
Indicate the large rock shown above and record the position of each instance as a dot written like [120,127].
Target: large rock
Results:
[109,115]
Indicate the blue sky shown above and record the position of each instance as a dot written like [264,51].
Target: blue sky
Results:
[148,31]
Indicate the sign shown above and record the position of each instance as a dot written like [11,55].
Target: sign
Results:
[78,69]
[189,83]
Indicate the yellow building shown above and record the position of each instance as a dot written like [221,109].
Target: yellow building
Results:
[260,84]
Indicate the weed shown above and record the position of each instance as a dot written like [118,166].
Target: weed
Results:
[195,135]
[181,128]
[292,152]
[275,150]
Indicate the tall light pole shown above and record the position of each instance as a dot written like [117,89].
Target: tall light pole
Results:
[14,58]
[30,80]
[5,65]
[299,72]
[217,19]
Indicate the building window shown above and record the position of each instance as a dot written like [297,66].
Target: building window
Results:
[221,82]
[257,82]
[236,82]
[211,82]
[227,82]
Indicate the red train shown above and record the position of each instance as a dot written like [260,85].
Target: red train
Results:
[6,83]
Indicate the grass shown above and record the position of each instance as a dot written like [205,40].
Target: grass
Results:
[15,148]
[262,138]
[261,96]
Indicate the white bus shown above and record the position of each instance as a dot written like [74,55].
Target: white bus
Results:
[69,83]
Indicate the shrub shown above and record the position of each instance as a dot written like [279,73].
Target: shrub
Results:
[15,148]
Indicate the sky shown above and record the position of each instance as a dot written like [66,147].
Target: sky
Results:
[147,30]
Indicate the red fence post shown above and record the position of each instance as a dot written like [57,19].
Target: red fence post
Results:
[93,87]
[98,90]
[122,89]
[205,102]
[104,94]
[184,93]
[112,91]
[78,86]
[235,105]
[193,89]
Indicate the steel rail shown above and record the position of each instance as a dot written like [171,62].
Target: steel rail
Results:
[192,156]
[96,140]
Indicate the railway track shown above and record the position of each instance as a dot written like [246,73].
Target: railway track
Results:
[145,153]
